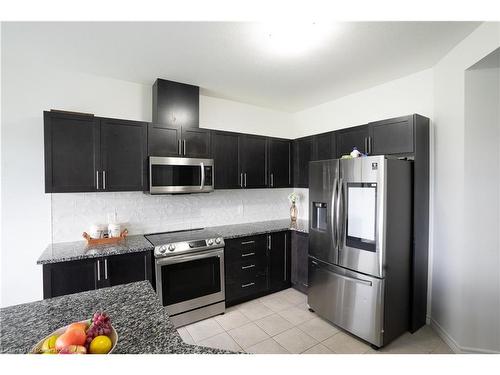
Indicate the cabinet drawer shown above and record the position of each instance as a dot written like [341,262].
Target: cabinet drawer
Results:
[245,269]
[245,287]
[246,248]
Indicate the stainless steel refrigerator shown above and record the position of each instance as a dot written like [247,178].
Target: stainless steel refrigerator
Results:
[360,245]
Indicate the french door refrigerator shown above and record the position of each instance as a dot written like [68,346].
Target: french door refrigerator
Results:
[360,245]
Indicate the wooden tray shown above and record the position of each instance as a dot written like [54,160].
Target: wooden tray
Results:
[104,241]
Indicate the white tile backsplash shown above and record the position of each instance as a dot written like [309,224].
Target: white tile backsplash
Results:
[303,203]
[73,213]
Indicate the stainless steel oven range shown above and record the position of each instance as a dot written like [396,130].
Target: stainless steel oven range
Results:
[189,267]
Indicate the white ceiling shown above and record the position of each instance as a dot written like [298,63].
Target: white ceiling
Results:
[234,61]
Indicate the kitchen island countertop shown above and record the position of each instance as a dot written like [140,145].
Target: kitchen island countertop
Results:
[142,324]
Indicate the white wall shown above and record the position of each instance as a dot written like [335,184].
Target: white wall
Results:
[410,94]
[454,273]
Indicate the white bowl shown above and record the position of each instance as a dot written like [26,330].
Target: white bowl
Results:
[37,349]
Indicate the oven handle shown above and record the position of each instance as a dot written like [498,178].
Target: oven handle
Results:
[202,176]
[187,258]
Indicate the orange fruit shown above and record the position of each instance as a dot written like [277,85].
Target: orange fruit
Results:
[71,337]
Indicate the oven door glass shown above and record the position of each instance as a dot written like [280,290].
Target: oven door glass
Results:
[190,279]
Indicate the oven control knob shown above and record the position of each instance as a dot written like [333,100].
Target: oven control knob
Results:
[162,249]
[171,247]
[218,240]
[210,242]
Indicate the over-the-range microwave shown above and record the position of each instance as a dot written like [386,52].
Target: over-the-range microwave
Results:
[171,175]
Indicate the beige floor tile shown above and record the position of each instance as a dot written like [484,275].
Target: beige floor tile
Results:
[221,341]
[443,348]
[255,310]
[343,343]
[426,338]
[294,296]
[274,324]
[295,341]
[232,319]
[318,349]
[204,329]
[268,346]
[296,315]
[275,302]
[318,328]
[185,336]
[248,335]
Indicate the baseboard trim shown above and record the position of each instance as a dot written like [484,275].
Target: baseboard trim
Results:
[454,346]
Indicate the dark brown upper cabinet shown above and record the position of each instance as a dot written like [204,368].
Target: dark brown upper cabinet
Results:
[324,146]
[166,140]
[72,152]
[253,161]
[393,136]
[176,104]
[123,155]
[280,169]
[302,155]
[347,139]
[225,155]
[84,153]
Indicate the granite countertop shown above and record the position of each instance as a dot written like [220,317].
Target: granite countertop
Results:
[67,251]
[142,324]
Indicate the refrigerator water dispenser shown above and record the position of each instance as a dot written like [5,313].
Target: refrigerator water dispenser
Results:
[319,218]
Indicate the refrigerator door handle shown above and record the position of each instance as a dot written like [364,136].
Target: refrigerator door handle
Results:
[338,219]
[333,219]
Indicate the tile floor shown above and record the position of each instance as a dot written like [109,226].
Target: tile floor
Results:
[281,323]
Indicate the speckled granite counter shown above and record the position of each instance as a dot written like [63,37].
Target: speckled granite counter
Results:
[141,322]
[262,227]
[66,251]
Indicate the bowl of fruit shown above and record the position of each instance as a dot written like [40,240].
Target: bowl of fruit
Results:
[92,336]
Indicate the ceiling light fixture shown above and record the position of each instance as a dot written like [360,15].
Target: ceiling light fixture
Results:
[292,39]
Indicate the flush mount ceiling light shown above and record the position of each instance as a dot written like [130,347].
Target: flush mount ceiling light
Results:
[292,39]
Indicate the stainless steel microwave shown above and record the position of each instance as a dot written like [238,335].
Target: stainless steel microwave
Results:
[180,175]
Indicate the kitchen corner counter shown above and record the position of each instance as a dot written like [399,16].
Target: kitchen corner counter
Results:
[261,227]
[66,251]
[141,322]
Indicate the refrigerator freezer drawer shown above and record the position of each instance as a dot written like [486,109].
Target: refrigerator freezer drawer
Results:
[348,299]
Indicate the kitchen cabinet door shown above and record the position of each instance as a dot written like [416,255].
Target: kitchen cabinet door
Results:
[164,140]
[299,255]
[225,155]
[302,155]
[69,277]
[124,155]
[72,154]
[196,142]
[279,163]
[393,136]
[347,139]
[176,104]
[253,161]
[279,261]
[127,268]
[324,146]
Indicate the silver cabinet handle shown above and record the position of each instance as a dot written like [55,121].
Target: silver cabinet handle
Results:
[202,185]
[268,242]
[241,179]
[103,180]
[369,145]
[247,267]
[284,255]
[179,147]
[98,270]
[184,147]
[247,255]
[366,145]
[97,178]
[247,285]
[106,268]
[247,242]
[245,179]
[272,180]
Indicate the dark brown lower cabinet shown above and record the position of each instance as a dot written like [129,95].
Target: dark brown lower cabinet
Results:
[90,274]
[299,253]
[256,266]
